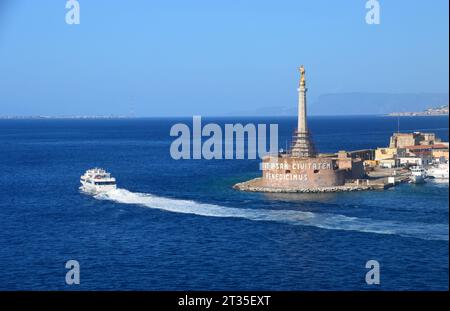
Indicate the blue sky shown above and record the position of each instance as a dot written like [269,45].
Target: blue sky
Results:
[172,58]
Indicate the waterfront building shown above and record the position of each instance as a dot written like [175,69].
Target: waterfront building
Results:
[415,160]
[388,163]
[440,154]
[412,149]
[385,153]
[402,140]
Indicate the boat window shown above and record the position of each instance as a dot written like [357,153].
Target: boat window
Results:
[104,183]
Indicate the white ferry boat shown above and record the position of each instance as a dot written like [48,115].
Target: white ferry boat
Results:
[439,171]
[96,181]
[418,175]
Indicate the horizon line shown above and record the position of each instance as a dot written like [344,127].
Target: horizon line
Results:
[90,117]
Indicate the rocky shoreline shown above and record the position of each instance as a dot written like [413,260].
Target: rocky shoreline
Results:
[254,185]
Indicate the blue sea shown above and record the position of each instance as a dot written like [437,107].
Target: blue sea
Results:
[179,225]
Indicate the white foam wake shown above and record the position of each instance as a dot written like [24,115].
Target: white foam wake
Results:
[321,220]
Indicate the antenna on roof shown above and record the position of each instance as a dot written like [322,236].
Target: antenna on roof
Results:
[398,124]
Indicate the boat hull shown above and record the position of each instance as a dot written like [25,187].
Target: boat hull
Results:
[438,175]
[417,179]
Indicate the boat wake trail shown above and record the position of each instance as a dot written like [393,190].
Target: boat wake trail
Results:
[320,220]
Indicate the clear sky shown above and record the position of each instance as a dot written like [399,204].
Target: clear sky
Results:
[179,57]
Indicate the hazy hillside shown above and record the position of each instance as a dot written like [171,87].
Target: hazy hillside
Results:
[357,103]
[375,103]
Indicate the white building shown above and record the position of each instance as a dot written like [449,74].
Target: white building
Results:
[422,161]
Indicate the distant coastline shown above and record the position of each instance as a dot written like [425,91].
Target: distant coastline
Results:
[87,117]
[438,111]
[426,113]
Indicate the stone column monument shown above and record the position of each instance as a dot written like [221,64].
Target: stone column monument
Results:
[302,146]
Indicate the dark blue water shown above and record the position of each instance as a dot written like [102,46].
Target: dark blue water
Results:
[180,225]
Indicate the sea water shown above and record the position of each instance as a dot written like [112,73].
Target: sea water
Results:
[178,224]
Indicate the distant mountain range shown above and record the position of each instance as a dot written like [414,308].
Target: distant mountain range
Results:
[360,104]
[329,104]
[376,103]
